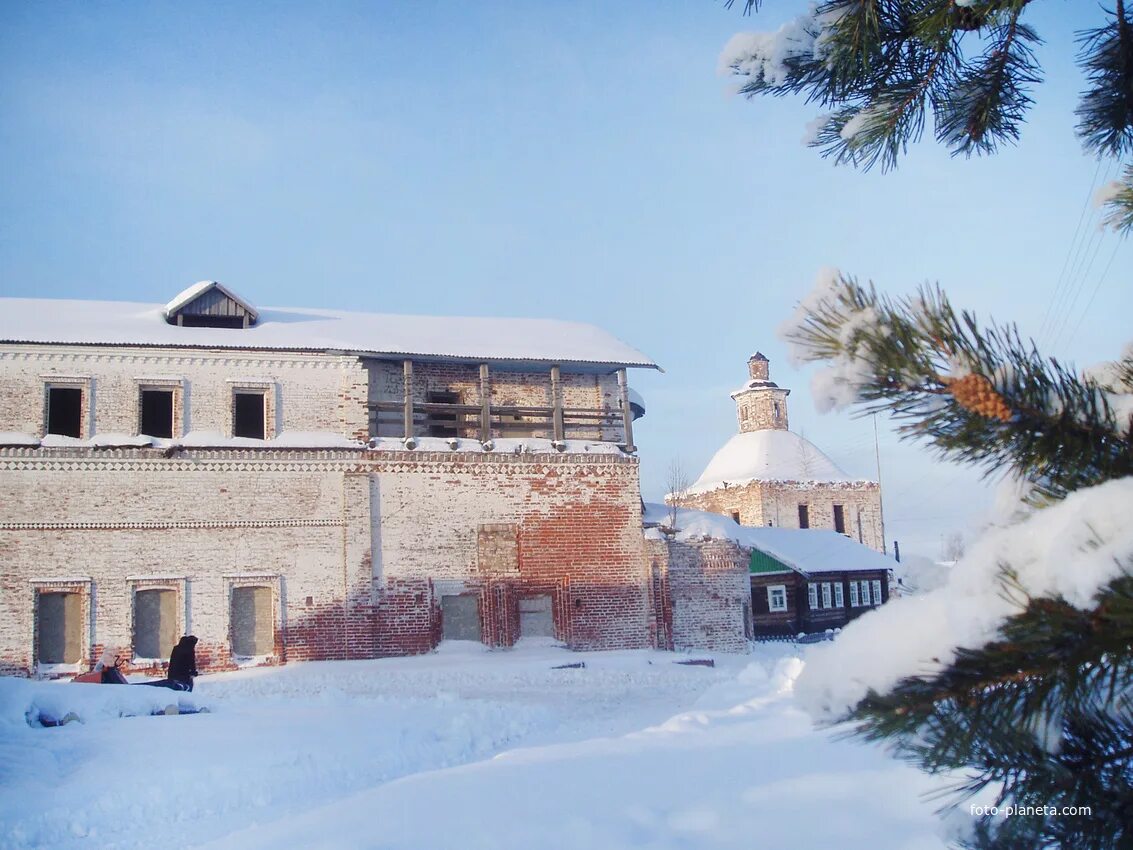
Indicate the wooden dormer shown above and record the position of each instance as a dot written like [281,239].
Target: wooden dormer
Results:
[208,304]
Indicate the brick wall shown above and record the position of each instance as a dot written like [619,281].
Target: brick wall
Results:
[776,503]
[306,392]
[708,593]
[349,542]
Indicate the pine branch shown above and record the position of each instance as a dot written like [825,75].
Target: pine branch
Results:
[982,396]
[1105,112]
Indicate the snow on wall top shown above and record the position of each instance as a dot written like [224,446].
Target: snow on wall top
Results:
[767,455]
[39,320]
[809,550]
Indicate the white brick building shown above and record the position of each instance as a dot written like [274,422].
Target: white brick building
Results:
[294,484]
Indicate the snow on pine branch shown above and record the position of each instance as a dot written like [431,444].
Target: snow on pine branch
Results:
[1070,550]
[765,57]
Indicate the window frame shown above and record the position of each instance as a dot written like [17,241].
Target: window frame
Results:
[85,385]
[839,595]
[140,583]
[173,385]
[270,580]
[855,600]
[269,390]
[812,595]
[839,518]
[82,586]
[827,595]
[772,591]
[876,584]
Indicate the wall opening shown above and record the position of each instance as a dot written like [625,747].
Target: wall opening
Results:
[157,413]
[839,519]
[248,414]
[535,617]
[442,424]
[460,617]
[155,623]
[65,411]
[252,618]
[804,516]
[60,628]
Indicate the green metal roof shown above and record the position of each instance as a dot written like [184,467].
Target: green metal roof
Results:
[761,562]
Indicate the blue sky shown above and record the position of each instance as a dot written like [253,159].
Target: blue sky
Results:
[580,161]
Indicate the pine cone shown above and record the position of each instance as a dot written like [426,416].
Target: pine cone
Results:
[976,393]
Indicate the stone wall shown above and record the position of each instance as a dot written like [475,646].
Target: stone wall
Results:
[352,544]
[708,591]
[305,392]
[760,503]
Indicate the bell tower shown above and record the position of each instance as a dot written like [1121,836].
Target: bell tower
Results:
[760,404]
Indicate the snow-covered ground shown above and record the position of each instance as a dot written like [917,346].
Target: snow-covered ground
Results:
[463,748]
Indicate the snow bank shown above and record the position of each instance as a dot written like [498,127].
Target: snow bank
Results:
[1069,550]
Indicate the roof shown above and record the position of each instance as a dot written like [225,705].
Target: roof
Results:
[37,320]
[806,550]
[813,550]
[767,455]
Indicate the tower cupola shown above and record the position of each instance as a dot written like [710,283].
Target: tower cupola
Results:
[761,404]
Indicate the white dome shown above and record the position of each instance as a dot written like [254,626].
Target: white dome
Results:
[767,455]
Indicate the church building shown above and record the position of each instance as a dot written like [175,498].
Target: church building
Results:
[767,475]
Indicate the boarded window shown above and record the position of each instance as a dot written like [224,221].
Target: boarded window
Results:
[839,519]
[248,414]
[535,618]
[253,631]
[157,414]
[804,516]
[460,617]
[65,411]
[442,424]
[155,623]
[60,628]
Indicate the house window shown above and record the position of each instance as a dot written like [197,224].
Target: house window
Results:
[865,592]
[65,411]
[156,413]
[839,600]
[876,592]
[839,519]
[59,628]
[777,597]
[812,595]
[249,414]
[827,602]
[804,516]
[252,621]
[854,603]
[155,622]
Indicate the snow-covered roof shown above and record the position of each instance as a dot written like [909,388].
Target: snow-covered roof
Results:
[815,550]
[767,455]
[37,320]
[808,550]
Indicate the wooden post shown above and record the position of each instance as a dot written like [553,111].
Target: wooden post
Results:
[408,409]
[556,404]
[485,405]
[627,414]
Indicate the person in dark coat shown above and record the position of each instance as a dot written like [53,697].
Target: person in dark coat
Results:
[183,663]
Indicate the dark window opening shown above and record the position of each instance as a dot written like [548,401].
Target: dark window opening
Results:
[736,516]
[804,517]
[190,321]
[157,415]
[839,519]
[59,628]
[155,623]
[248,415]
[65,411]
[443,424]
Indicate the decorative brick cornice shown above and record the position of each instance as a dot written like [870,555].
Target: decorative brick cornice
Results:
[170,525]
[264,459]
[176,357]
